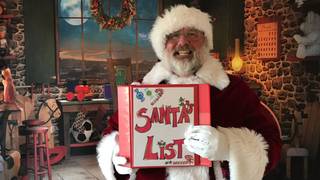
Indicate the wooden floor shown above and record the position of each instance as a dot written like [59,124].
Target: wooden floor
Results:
[77,168]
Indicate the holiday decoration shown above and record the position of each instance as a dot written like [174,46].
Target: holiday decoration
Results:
[309,42]
[153,120]
[81,128]
[128,10]
[81,92]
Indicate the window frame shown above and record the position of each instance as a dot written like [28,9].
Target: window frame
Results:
[108,49]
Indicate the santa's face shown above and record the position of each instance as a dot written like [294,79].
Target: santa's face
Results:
[183,50]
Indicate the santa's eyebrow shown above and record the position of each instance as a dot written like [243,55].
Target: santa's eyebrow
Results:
[176,33]
[168,36]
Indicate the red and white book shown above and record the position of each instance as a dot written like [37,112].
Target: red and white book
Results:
[153,120]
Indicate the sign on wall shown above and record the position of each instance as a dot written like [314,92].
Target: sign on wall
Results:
[268,39]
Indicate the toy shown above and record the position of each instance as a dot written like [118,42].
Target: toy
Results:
[9,89]
[309,44]
[82,128]
[80,92]
[4,45]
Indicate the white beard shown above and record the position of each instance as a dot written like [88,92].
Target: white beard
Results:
[185,68]
[202,69]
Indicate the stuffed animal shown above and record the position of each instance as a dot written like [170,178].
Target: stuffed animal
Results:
[9,89]
[309,44]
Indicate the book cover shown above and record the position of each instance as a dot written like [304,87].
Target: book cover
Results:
[153,120]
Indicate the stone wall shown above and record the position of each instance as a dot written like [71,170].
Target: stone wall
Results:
[287,84]
[15,34]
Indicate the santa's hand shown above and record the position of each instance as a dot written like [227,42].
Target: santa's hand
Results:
[207,142]
[119,162]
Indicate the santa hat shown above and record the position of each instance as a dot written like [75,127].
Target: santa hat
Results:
[176,18]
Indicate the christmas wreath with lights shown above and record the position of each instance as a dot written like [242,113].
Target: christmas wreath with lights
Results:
[128,10]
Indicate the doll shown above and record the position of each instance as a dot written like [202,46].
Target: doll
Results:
[9,89]
[4,46]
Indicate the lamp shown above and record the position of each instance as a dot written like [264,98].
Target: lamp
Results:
[236,62]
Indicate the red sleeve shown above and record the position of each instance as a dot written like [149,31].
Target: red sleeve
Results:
[112,124]
[263,122]
[247,111]
[269,129]
[259,119]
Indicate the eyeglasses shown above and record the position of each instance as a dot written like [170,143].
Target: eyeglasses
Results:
[189,34]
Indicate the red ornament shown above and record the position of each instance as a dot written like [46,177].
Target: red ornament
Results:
[78,88]
[70,96]
[80,96]
[86,89]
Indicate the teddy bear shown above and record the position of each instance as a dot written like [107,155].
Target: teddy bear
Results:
[309,43]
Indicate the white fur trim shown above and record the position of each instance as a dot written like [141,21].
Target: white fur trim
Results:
[211,72]
[104,155]
[174,19]
[188,173]
[248,153]
[157,74]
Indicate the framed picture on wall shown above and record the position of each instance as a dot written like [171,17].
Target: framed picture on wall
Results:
[268,38]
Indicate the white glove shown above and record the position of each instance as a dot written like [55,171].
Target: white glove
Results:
[207,142]
[119,162]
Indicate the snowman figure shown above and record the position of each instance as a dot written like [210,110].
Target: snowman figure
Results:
[309,43]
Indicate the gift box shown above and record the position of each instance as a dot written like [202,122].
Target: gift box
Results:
[153,120]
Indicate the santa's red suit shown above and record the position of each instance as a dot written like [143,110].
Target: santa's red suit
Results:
[250,129]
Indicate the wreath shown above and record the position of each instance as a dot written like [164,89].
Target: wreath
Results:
[128,10]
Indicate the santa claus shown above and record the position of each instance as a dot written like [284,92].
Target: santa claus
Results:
[243,142]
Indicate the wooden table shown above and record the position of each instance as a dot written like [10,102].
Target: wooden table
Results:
[69,107]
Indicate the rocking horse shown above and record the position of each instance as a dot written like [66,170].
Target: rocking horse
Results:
[50,110]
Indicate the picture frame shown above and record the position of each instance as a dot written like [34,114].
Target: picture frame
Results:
[268,38]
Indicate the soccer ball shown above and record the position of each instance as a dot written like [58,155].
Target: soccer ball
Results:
[82,128]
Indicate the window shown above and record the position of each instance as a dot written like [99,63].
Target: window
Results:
[83,49]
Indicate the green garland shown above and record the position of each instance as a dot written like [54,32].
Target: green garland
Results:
[128,10]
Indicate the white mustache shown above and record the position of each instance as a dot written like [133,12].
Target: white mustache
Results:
[183,50]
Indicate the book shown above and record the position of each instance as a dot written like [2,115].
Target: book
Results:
[153,120]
